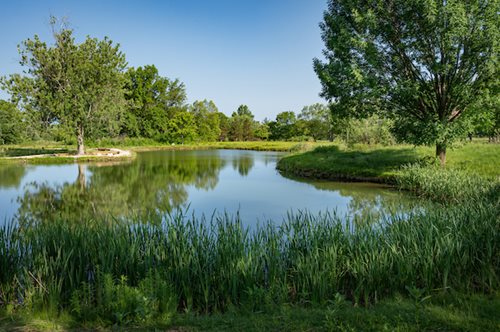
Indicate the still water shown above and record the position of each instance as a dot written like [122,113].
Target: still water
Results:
[200,182]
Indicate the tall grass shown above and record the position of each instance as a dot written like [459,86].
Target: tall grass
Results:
[213,265]
[447,184]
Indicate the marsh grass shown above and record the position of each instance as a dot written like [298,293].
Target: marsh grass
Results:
[448,185]
[213,265]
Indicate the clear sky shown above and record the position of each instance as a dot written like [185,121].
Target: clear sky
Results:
[254,52]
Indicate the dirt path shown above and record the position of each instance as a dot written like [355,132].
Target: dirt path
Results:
[94,153]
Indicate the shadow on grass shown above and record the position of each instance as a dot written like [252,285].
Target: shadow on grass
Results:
[18,152]
[354,165]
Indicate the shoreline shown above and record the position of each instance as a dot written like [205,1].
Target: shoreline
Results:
[93,154]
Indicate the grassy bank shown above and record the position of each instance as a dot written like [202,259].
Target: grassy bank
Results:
[50,152]
[144,145]
[383,164]
[449,312]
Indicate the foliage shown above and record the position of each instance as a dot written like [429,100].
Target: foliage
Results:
[424,62]
[11,123]
[318,121]
[241,124]
[206,116]
[152,102]
[118,303]
[284,126]
[371,130]
[181,128]
[78,85]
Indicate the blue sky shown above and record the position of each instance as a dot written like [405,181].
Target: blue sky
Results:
[257,53]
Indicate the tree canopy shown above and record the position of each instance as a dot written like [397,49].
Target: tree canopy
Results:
[426,63]
[11,123]
[153,100]
[78,85]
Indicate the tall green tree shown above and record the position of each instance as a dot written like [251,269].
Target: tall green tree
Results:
[181,128]
[80,83]
[284,126]
[207,120]
[11,123]
[425,62]
[318,121]
[242,124]
[152,102]
[224,125]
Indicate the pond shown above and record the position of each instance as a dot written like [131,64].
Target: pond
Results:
[200,182]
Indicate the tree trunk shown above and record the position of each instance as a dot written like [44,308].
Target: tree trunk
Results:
[441,153]
[79,139]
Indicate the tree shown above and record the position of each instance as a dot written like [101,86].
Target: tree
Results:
[81,84]
[207,120]
[224,126]
[11,123]
[242,124]
[284,126]
[261,130]
[424,62]
[318,120]
[181,128]
[153,100]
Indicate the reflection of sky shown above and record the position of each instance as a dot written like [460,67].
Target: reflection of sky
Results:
[53,175]
[260,195]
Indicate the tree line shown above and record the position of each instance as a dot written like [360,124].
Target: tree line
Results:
[73,92]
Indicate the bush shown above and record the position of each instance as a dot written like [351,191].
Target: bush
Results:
[119,303]
[372,130]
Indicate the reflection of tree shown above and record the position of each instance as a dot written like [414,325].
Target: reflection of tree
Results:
[367,201]
[243,164]
[154,182]
[11,175]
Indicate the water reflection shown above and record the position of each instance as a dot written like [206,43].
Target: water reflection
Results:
[160,182]
[368,201]
[11,175]
[243,165]
[153,183]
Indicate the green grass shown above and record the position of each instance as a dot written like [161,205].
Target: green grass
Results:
[449,312]
[383,164]
[141,144]
[121,273]
[136,145]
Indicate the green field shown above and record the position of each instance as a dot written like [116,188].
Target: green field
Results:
[376,163]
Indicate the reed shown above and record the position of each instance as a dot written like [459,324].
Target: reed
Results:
[185,263]
[448,184]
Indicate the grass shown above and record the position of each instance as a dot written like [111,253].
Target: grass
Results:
[144,145]
[383,164]
[135,145]
[123,273]
[448,312]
